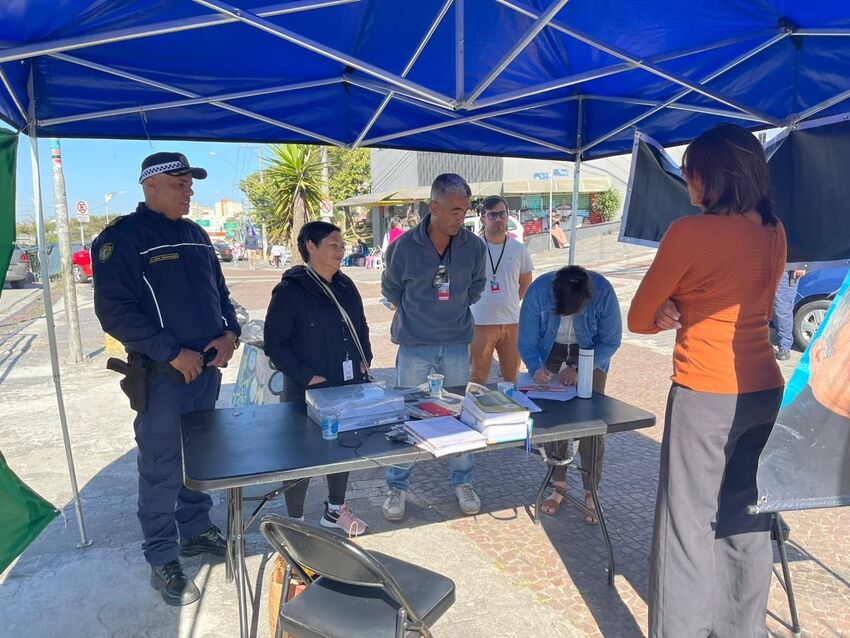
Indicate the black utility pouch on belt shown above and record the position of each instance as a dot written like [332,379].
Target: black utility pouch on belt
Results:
[135,381]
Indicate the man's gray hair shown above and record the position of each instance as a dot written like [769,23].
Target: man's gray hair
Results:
[839,318]
[448,185]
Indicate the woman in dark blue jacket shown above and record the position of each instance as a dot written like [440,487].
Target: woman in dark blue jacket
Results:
[307,339]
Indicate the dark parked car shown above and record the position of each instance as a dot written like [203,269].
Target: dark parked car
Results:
[815,293]
[223,251]
[18,273]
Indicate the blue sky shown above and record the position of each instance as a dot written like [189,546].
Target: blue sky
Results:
[95,167]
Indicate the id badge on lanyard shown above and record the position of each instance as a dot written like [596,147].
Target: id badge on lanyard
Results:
[443,291]
[494,286]
[347,370]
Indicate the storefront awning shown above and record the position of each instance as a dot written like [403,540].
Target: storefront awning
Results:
[589,184]
[369,199]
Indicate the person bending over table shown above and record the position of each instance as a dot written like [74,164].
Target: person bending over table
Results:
[713,280]
[308,338]
[563,311]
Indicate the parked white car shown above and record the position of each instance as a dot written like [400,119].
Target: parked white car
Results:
[515,229]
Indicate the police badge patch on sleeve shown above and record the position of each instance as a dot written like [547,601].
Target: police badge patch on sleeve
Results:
[105,252]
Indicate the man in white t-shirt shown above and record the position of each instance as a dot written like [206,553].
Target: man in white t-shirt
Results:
[496,314]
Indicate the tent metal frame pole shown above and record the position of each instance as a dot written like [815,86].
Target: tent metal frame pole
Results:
[614,69]
[419,49]
[576,183]
[817,108]
[469,119]
[676,106]
[539,24]
[171,26]
[13,95]
[823,32]
[174,104]
[48,314]
[712,76]
[189,94]
[460,51]
[649,67]
[271,28]
[369,86]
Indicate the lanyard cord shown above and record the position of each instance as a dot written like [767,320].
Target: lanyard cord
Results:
[446,251]
[326,289]
[502,254]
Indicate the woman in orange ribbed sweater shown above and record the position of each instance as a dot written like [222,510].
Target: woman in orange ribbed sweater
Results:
[713,280]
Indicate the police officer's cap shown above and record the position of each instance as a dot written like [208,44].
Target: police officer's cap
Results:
[170,164]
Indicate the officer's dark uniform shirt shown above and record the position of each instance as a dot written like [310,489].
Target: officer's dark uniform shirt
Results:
[158,286]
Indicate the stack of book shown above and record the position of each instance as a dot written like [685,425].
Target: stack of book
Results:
[498,417]
[421,405]
[444,435]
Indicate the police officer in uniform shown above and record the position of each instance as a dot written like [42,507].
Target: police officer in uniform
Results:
[159,290]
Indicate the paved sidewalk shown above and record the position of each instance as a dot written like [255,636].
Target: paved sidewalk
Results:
[514,579]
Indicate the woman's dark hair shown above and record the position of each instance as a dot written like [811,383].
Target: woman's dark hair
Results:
[730,165]
[314,232]
[571,287]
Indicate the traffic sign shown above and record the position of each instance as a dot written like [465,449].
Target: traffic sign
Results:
[327,206]
[83,218]
[82,208]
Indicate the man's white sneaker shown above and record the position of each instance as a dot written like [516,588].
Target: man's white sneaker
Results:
[393,508]
[467,499]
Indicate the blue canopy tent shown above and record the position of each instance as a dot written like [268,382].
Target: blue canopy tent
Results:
[557,79]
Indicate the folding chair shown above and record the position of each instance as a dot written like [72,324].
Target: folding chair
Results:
[357,592]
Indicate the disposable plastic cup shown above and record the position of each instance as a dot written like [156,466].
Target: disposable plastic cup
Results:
[330,425]
[505,387]
[435,385]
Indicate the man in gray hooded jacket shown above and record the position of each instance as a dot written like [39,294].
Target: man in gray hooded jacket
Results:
[433,273]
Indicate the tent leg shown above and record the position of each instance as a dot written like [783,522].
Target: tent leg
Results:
[51,332]
[576,185]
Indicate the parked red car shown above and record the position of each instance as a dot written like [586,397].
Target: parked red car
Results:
[81,263]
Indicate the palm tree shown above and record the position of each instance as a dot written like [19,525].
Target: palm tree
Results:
[288,192]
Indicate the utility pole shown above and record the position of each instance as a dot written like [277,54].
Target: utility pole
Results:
[63,231]
[262,181]
[326,190]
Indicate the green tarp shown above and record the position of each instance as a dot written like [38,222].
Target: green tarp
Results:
[8,155]
[23,514]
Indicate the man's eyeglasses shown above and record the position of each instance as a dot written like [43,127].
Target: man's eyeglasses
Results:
[496,214]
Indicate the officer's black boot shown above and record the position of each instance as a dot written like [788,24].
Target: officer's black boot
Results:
[176,588]
[210,542]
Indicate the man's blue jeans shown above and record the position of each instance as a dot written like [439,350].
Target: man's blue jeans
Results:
[413,365]
[783,312]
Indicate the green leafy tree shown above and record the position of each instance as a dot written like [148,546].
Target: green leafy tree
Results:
[606,204]
[350,174]
[288,193]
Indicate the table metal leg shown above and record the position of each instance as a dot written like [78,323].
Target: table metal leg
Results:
[594,441]
[237,532]
[785,581]
[539,499]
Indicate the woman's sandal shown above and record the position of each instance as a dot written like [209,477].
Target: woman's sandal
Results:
[551,505]
[589,504]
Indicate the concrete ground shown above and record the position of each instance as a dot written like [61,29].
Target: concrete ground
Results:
[513,578]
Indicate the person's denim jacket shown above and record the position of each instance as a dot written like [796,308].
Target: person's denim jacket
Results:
[598,325]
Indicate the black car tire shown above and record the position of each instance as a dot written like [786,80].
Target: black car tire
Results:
[79,275]
[807,320]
